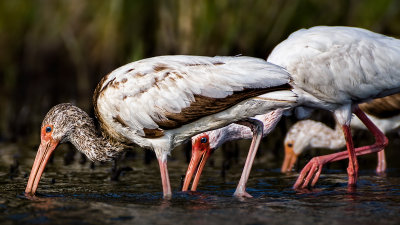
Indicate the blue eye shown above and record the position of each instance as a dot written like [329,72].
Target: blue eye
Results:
[203,140]
[48,129]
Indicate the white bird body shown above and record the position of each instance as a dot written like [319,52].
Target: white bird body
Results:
[384,124]
[157,103]
[334,67]
[236,131]
[254,105]
[143,95]
[308,134]
[160,102]
[205,143]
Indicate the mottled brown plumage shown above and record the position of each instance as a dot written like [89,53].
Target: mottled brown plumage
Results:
[72,124]
[160,102]
[204,106]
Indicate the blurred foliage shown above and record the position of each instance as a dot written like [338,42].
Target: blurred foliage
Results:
[57,51]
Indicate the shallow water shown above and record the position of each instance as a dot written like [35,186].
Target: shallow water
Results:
[79,194]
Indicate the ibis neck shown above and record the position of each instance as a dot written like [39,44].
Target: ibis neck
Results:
[90,141]
[236,131]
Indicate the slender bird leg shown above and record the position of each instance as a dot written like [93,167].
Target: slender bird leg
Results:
[381,167]
[257,127]
[165,178]
[352,169]
[314,167]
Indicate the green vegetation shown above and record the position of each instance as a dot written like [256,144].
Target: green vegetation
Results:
[57,51]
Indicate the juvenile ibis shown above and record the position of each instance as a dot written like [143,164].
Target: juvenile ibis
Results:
[158,103]
[204,144]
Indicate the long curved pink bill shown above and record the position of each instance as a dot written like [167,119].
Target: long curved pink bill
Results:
[194,161]
[200,170]
[42,157]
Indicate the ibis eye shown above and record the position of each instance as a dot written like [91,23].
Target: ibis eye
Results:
[48,129]
[203,140]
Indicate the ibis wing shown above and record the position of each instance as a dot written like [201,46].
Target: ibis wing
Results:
[385,107]
[340,63]
[168,91]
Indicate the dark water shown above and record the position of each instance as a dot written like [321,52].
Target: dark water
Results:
[79,194]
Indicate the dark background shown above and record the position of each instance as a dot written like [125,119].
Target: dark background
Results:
[57,51]
[54,51]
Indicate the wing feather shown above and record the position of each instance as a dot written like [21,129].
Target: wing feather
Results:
[336,64]
[382,108]
[168,91]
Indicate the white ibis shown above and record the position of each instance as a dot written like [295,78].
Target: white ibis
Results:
[303,135]
[335,69]
[383,112]
[204,144]
[308,134]
[158,103]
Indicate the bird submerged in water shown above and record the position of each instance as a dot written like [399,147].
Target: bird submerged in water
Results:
[158,103]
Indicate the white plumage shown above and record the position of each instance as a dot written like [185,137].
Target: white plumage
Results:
[340,65]
[336,68]
[147,94]
[160,95]
[308,134]
[160,102]
[216,138]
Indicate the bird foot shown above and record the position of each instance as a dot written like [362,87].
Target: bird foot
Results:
[167,196]
[242,194]
[353,174]
[381,169]
[310,173]
[381,173]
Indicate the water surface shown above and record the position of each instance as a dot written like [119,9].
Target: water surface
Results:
[80,194]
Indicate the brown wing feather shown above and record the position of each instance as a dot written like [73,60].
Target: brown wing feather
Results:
[107,131]
[385,107]
[203,106]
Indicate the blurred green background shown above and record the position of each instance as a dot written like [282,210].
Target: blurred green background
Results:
[57,51]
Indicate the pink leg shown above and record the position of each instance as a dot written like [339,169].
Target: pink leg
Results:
[381,167]
[257,128]
[165,179]
[352,169]
[312,170]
